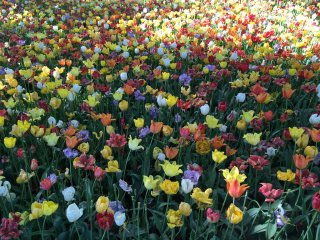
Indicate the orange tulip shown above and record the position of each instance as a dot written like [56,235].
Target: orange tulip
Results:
[155,127]
[301,161]
[236,190]
[71,142]
[128,89]
[68,62]
[287,93]
[170,152]
[70,131]
[315,135]
[230,151]
[62,62]
[262,97]
[217,142]
[105,119]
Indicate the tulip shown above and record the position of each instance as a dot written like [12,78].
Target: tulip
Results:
[36,211]
[212,122]
[300,161]
[68,194]
[9,142]
[241,97]
[185,209]
[151,182]
[204,109]
[102,204]
[316,201]
[49,207]
[169,187]
[234,214]
[171,169]
[119,218]
[202,198]
[218,156]
[51,139]
[233,175]
[174,219]
[212,216]
[252,139]
[134,144]
[236,190]
[123,105]
[139,122]
[186,185]
[73,212]
[295,132]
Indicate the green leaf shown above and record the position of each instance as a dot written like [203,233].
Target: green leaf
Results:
[271,229]
[259,228]
[318,233]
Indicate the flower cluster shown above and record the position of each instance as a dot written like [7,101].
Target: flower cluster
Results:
[151,119]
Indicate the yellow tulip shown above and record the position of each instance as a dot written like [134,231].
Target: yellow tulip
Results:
[36,211]
[51,139]
[49,207]
[151,182]
[233,175]
[139,122]
[174,219]
[102,204]
[113,166]
[171,169]
[252,139]
[106,152]
[288,176]
[9,142]
[170,187]
[123,105]
[234,214]
[212,122]
[296,132]
[202,198]
[218,156]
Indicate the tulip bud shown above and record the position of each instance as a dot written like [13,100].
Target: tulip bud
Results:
[34,164]
[185,209]
[123,105]
[205,109]
[241,124]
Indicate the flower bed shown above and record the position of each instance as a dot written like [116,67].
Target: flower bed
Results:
[159,120]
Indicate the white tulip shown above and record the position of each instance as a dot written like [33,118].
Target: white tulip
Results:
[83,48]
[125,54]
[76,88]
[161,156]
[162,102]
[160,51]
[186,185]
[119,218]
[73,212]
[314,119]
[271,151]
[123,76]
[68,193]
[52,121]
[241,97]
[205,109]
[166,62]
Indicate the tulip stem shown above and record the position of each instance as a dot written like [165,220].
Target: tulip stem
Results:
[125,166]
[104,233]
[75,226]
[310,225]
[300,188]
[165,213]
[43,225]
